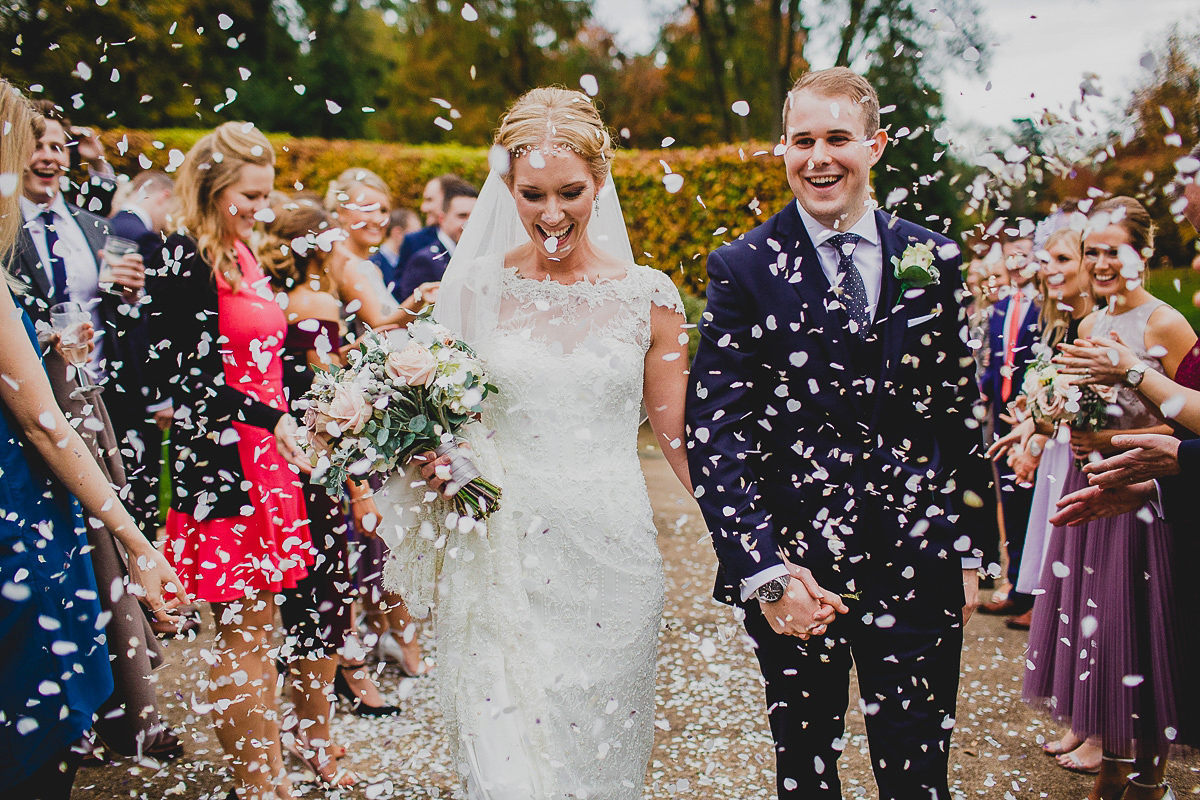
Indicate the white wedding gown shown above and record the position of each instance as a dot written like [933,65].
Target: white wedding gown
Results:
[547,625]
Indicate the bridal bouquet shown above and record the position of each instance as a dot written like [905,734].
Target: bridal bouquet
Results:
[395,399]
[1052,397]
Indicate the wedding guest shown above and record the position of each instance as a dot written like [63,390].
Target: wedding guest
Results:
[236,529]
[1039,455]
[352,199]
[317,614]
[50,608]
[432,197]
[1013,330]
[141,415]
[1109,608]
[401,222]
[428,265]
[58,260]
[359,200]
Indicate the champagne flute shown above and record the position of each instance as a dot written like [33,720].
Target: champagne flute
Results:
[68,320]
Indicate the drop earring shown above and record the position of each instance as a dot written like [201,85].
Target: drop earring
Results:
[596,205]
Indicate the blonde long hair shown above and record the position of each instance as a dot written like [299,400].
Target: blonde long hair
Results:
[1053,318]
[20,126]
[214,164]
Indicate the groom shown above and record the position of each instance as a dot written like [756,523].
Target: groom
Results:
[837,455]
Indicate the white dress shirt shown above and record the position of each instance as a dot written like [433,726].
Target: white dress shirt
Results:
[447,242]
[868,253]
[83,271]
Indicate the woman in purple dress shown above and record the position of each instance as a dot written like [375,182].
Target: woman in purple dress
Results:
[1103,645]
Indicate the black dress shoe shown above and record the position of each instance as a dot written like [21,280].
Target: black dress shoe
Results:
[360,709]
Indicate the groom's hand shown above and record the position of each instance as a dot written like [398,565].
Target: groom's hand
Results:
[970,593]
[805,608]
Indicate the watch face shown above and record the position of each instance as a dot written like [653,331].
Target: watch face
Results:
[772,590]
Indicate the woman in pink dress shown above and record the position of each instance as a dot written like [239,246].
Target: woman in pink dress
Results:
[237,530]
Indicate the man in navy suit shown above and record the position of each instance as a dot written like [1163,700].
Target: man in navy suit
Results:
[837,457]
[1013,330]
[433,202]
[139,413]
[429,264]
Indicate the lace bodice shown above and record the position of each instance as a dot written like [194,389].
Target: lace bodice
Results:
[568,361]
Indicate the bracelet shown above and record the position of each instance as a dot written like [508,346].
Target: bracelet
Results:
[361,498]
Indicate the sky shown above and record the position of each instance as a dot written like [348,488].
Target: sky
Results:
[1040,50]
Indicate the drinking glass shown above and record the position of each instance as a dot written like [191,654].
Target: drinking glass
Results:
[67,320]
[116,248]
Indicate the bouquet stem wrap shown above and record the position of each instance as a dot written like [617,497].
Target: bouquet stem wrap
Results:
[474,496]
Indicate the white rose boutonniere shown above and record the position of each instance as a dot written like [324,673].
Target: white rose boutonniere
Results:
[915,268]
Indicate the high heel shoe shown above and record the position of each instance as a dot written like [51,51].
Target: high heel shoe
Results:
[360,709]
[389,648]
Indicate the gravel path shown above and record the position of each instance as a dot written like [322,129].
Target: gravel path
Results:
[711,741]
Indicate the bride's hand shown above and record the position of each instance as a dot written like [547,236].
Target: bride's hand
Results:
[435,470]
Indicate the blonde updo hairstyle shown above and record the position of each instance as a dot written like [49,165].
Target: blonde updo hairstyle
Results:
[341,190]
[559,118]
[287,265]
[214,164]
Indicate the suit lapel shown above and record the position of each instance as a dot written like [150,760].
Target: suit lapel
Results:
[892,301]
[28,265]
[801,268]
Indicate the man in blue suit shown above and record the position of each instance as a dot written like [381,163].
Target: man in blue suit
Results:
[140,414]
[429,264]
[433,203]
[1013,330]
[837,458]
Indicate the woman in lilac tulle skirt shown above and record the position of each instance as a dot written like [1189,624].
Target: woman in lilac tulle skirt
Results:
[1103,648]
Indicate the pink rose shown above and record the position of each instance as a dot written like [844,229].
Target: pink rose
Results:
[414,365]
[349,408]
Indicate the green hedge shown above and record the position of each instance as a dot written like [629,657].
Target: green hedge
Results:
[671,231]
[1176,286]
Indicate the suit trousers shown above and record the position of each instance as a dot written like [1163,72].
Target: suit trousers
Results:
[908,680]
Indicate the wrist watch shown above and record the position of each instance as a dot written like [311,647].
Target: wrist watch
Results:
[772,591]
[1134,375]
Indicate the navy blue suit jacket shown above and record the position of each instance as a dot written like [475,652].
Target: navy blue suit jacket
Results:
[787,456]
[425,265]
[1027,335]
[413,242]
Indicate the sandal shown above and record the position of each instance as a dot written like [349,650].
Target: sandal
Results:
[1058,748]
[1072,762]
[1169,794]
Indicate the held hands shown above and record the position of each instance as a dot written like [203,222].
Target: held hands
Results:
[164,417]
[805,608]
[363,508]
[288,445]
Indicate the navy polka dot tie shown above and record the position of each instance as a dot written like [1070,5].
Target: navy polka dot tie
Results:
[853,292]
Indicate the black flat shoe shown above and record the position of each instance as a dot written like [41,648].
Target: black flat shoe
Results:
[360,709]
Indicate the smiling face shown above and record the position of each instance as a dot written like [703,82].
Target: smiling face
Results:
[364,216]
[829,157]
[1018,260]
[554,190]
[245,197]
[456,217]
[47,164]
[1110,261]
[1060,267]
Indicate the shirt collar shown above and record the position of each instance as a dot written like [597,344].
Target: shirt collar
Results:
[141,214]
[866,227]
[446,241]
[31,210]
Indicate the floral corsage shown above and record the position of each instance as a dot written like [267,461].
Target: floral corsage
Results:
[915,268]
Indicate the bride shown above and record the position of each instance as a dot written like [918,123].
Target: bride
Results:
[548,616]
